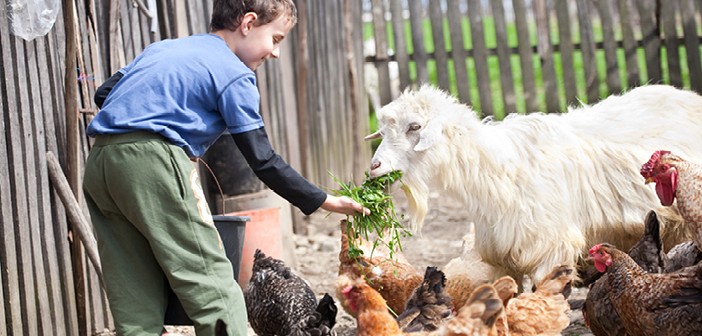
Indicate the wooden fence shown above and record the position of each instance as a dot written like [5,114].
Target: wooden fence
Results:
[311,100]
[505,56]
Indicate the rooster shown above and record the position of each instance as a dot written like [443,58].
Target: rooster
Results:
[648,303]
[681,180]
[279,302]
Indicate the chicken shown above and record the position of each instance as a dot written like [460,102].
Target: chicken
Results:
[506,288]
[279,302]
[545,311]
[394,278]
[682,255]
[651,303]
[477,317]
[648,251]
[679,180]
[598,311]
[429,305]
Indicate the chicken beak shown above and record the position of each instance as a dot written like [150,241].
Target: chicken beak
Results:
[649,180]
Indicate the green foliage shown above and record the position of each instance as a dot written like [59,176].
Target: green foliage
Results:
[382,219]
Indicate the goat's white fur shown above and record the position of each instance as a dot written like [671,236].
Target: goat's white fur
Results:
[541,188]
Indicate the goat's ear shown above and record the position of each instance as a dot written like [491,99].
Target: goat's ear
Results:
[428,136]
[373,136]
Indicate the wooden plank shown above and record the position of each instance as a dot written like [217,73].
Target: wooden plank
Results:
[630,43]
[692,44]
[401,56]
[19,183]
[440,55]
[301,81]
[650,37]
[525,56]
[5,204]
[610,47]
[587,47]
[504,56]
[125,25]
[458,50]
[565,43]
[85,67]
[49,241]
[480,55]
[670,35]
[8,253]
[55,135]
[543,47]
[419,53]
[381,51]
[31,123]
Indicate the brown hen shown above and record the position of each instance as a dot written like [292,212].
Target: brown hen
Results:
[545,311]
[598,311]
[394,278]
[651,303]
[476,318]
[679,180]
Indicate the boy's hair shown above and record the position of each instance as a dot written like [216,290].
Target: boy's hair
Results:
[227,14]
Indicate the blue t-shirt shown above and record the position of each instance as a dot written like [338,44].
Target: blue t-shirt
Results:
[189,90]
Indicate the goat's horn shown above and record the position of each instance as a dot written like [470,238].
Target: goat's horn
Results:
[373,136]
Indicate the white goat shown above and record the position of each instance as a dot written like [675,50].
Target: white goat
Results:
[541,188]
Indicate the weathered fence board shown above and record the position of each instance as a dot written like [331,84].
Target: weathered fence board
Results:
[669,33]
[419,52]
[401,55]
[458,50]
[440,55]
[629,42]
[565,43]
[525,56]
[545,52]
[504,56]
[480,56]
[692,43]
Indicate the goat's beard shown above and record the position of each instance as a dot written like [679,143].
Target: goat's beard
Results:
[417,194]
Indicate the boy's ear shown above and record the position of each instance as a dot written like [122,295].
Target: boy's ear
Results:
[247,23]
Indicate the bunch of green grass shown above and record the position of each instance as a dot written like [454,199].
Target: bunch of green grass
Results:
[372,195]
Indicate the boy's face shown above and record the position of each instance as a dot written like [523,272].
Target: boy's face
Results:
[262,42]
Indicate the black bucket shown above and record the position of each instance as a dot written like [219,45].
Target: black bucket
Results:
[231,230]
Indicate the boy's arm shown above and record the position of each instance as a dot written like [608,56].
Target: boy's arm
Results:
[106,87]
[276,173]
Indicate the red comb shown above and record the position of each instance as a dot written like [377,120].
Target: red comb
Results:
[594,249]
[647,167]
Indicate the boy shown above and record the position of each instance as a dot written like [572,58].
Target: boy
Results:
[158,113]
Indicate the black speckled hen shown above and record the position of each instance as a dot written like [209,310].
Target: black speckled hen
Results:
[279,302]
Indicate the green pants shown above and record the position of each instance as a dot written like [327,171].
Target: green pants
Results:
[153,225]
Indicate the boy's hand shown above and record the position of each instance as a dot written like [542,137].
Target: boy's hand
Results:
[344,205]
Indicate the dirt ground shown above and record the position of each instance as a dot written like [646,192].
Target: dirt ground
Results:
[441,240]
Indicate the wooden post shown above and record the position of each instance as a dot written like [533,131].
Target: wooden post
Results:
[72,143]
[73,209]
[302,63]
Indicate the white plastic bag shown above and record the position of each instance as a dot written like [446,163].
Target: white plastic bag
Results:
[30,19]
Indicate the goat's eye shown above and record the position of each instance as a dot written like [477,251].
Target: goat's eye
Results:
[414,127]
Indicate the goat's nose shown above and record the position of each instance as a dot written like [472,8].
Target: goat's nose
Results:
[375,165]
